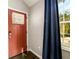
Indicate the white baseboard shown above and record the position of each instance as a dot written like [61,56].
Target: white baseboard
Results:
[35,53]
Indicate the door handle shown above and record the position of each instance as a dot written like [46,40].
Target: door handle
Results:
[10,33]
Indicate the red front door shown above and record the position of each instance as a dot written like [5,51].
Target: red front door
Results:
[17,35]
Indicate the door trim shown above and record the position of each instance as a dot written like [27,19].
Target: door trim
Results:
[17,10]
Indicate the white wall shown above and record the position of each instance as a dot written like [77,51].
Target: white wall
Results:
[18,4]
[35,25]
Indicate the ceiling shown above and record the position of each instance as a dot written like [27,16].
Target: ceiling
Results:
[31,2]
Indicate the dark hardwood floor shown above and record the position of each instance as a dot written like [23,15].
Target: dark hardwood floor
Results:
[26,55]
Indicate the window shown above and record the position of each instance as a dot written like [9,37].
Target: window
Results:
[64,17]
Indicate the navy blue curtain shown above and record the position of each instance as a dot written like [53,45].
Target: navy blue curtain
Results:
[51,43]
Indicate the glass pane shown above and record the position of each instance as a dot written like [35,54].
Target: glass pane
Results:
[67,15]
[60,9]
[67,34]
[61,28]
[61,17]
[64,15]
[67,10]
[67,29]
